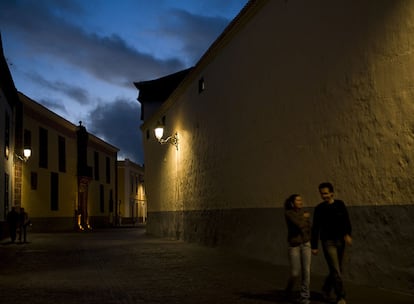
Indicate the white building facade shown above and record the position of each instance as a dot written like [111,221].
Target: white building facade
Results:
[132,202]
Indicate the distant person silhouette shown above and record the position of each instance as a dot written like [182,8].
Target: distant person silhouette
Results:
[13,220]
[23,223]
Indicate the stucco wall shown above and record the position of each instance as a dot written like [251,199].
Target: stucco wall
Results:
[299,93]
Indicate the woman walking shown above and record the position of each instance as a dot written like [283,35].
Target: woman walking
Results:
[299,228]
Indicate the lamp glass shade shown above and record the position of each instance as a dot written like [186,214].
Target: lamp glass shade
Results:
[27,153]
[159,132]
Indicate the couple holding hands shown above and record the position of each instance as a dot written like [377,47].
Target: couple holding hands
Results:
[330,225]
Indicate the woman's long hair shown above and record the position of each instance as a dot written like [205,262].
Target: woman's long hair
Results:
[290,201]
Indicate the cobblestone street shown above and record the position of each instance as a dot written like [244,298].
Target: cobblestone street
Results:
[127,266]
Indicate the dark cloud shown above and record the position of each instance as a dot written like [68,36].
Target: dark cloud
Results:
[118,123]
[76,93]
[112,59]
[196,32]
[44,30]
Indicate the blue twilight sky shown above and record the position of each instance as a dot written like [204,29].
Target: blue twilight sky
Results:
[79,58]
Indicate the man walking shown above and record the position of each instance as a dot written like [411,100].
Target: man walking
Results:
[332,226]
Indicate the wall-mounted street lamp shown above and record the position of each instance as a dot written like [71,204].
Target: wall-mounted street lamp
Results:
[27,152]
[159,132]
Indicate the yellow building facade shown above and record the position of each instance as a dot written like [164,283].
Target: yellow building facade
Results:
[294,93]
[69,181]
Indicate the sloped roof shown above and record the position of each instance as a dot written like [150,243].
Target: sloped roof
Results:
[6,80]
[158,90]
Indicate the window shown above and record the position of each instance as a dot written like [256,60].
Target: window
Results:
[27,139]
[43,144]
[102,198]
[33,180]
[54,191]
[62,153]
[96,165]
[108,170]
[201,85]
[6,193]
[111,201]
[7,136]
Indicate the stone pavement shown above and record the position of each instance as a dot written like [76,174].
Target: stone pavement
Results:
[125,265]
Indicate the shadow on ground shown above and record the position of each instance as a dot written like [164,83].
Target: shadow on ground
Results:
[279,296]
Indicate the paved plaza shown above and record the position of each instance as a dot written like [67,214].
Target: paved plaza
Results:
[125,265]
